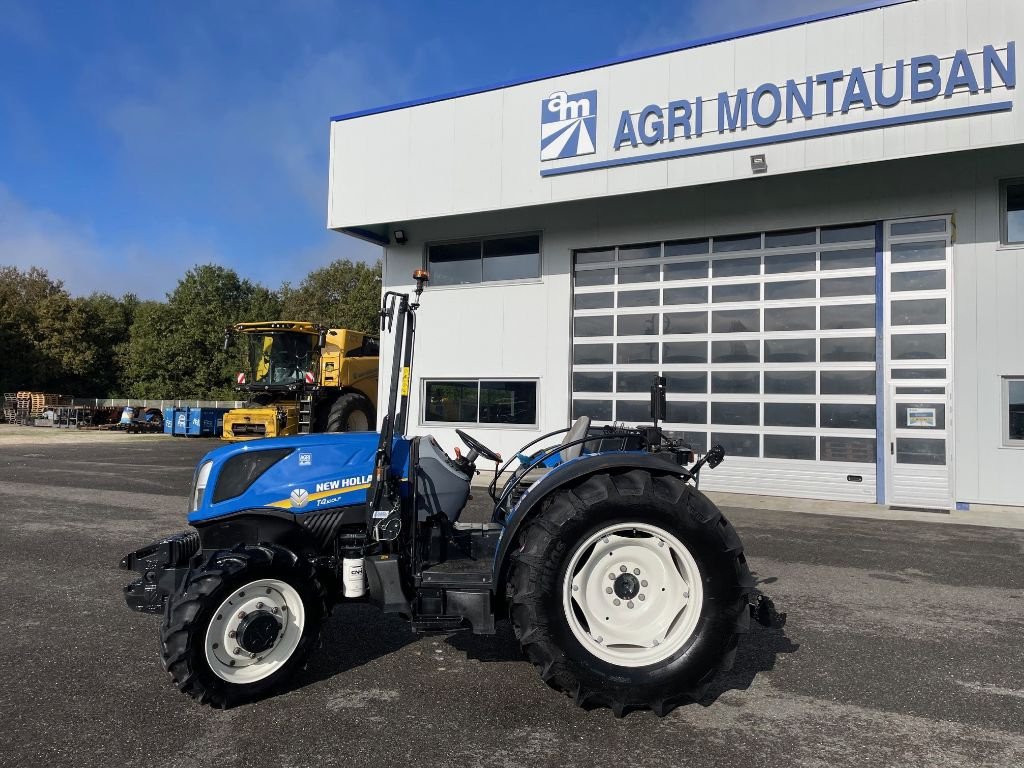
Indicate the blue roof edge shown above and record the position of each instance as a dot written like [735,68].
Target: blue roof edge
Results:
[698,43]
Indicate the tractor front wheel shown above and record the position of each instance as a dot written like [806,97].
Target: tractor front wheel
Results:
[241,624]
[629,591]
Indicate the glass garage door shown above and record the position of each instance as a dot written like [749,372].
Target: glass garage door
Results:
[767,341]
[918,363]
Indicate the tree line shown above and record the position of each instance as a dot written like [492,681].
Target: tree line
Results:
[106,346]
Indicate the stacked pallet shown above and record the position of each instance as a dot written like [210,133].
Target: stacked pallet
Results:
[34,403]
[10,414]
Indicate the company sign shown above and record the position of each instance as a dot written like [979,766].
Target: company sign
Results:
[746,117]
[568,125]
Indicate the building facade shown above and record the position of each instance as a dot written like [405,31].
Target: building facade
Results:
[814,232]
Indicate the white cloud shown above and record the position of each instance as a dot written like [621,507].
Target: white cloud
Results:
[70,251]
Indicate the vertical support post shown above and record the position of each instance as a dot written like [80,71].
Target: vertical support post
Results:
[880,386]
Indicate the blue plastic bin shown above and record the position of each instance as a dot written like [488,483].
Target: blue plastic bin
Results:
[205,422]
[168,421]
[180,421]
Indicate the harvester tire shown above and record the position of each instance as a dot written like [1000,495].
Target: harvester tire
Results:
[351,412]
[629,590]
[195,626]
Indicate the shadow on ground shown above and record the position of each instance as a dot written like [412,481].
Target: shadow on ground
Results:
[358,634]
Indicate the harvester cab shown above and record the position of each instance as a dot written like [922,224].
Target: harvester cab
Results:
[624,584]
[302,377]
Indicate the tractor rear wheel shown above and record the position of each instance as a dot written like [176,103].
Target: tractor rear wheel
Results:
[628,590]
[241,624]
[351,412]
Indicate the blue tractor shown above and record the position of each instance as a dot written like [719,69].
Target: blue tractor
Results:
[625,585]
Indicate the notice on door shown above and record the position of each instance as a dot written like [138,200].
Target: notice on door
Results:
[920,417]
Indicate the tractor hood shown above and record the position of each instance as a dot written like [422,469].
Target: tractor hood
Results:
[300,474]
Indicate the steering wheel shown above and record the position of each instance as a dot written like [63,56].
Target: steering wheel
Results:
[476,445]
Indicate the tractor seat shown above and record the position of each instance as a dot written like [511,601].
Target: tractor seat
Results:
[577,432]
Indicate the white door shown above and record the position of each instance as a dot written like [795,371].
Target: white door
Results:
[918,362]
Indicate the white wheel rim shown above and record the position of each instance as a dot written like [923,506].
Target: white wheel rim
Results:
[616,624]
[224,654]
[357,422]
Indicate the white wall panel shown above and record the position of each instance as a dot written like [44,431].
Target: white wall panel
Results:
[482,151]
[523,330]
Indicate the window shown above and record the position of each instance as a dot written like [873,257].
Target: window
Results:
[490,260]
[1013,411]
[476,401]
[749,329]
[1012,204]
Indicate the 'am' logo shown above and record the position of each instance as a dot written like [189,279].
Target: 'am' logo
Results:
[568,125]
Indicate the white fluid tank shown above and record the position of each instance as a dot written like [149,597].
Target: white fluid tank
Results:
[353,579]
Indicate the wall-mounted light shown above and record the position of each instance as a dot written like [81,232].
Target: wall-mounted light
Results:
[758,164]
[400,237]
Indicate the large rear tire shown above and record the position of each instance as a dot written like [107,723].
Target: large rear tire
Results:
[628,590]
[242,624]
[351,412]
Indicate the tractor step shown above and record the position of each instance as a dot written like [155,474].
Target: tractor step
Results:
[448,610]
[425,624]
[441,577]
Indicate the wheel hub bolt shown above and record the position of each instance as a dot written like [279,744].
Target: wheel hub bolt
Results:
[616,601]
[232,633]
[629,604]
[260,605]
[608,590]
[622,568]
[643,582]
[237,651]
[275,611]
[241,614]
[636,571]
[642,597]
[575,588]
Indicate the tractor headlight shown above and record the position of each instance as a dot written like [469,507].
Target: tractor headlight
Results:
[199,485]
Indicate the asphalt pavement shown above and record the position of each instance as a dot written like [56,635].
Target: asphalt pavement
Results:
[903,647]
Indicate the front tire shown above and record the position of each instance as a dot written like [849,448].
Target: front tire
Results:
[351,412]
[610,636]
[242,624]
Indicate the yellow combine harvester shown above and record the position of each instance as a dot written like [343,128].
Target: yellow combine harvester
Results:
[303,377]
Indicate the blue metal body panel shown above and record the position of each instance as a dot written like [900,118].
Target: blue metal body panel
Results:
[322,471]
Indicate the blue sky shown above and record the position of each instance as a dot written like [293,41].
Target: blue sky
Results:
[140,138]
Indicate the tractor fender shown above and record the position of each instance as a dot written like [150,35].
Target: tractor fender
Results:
[563,475]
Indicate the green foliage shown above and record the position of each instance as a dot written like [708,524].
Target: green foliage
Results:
[46,339]
[102,346]
[176,349]
[341,295]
